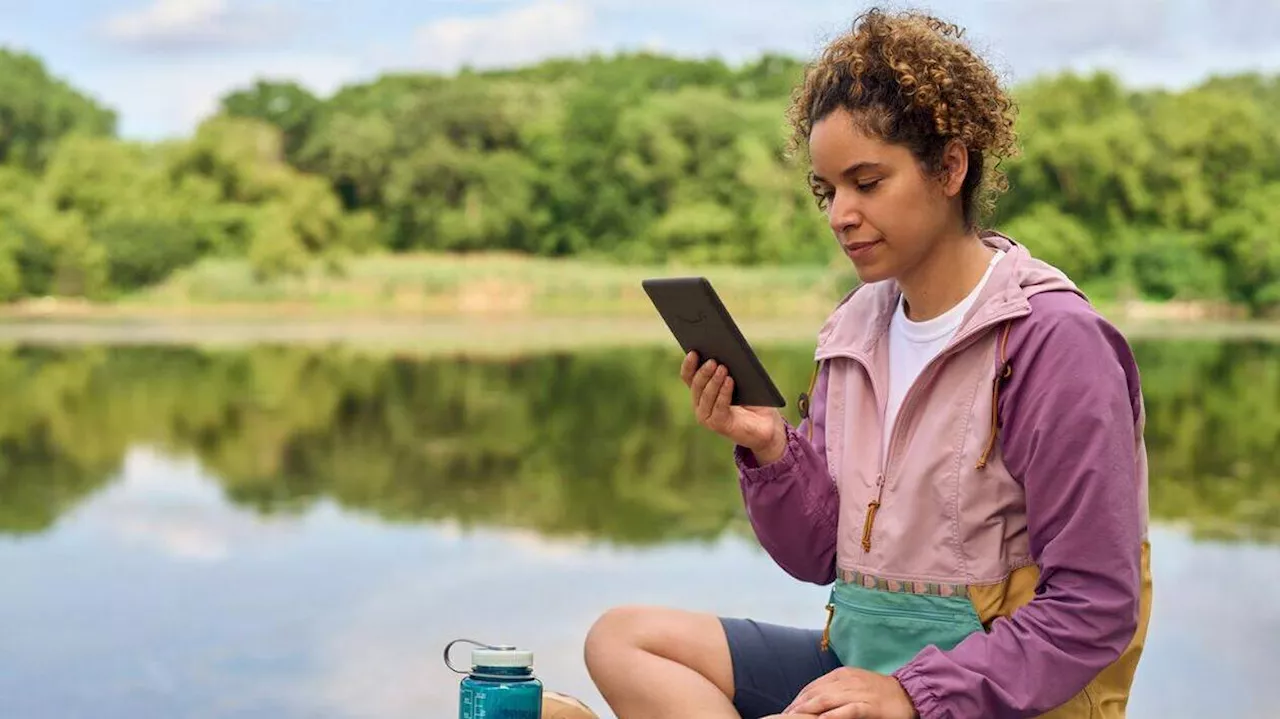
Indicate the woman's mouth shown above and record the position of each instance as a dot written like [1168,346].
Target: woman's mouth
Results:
[859,250]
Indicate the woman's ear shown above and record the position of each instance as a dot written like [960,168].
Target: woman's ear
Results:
[955,166]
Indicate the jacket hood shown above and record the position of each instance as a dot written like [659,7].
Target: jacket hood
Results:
[1015,279]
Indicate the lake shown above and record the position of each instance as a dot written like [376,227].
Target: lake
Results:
[285,532]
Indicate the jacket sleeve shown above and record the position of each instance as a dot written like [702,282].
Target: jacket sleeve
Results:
[792,503]
[1069,432]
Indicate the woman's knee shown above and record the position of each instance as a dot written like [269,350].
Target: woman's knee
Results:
[616,631]
[691,639]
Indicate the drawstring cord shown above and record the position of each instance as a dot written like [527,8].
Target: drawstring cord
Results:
[1002,375]
[826,630]
[806,398]
[872,508]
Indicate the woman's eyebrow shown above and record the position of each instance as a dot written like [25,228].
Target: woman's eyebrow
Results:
[853,169]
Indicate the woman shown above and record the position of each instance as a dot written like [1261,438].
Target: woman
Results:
[970,477]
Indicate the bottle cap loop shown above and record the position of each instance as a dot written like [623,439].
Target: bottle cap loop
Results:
[493,653]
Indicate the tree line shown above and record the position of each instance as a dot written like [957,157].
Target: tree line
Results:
[1143,193]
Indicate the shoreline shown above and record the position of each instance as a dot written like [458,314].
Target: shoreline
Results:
[460,333]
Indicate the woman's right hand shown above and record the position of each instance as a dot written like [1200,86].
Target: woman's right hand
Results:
[759,429]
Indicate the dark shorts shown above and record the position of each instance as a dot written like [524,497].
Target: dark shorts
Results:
[771,664]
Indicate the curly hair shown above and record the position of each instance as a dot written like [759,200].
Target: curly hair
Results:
[909,79]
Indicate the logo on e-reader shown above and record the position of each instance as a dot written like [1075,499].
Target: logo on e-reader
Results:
[696,319]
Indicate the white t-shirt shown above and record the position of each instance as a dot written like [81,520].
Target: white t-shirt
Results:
[913,344]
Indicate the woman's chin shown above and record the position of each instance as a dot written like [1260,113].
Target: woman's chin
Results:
[872,272]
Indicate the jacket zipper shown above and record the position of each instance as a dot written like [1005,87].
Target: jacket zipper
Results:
[957,343]
[872,507]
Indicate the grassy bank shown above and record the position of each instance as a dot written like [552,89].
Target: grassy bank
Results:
[500,285]
[498,303]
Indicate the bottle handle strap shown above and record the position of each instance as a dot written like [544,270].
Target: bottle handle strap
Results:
[481,645]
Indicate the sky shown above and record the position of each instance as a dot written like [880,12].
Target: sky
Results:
[163,64]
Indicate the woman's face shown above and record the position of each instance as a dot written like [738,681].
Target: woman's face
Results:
[886,212]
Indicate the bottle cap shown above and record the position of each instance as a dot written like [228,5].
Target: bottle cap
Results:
[504,657]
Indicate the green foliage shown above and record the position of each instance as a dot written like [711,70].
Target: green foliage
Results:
[37,109]
[634,158]
[287,105]
[53,252]
[1058,238]
[1247,240]
[1165,194]
[123,195]
[600,443]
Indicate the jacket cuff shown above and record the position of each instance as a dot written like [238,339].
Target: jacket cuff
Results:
[753,473]
[920,691]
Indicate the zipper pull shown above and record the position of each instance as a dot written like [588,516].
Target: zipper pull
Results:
[826,630]
[872,507]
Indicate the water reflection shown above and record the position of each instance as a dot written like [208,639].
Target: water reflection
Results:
[160,596]
[598,444]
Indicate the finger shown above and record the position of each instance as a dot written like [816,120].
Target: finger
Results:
[824,701]
[833,689]
[811,690]
[688,367]
[856,710]
[720,412]
[711,394]
[700,380]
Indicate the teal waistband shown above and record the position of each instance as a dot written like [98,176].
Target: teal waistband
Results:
[880,630]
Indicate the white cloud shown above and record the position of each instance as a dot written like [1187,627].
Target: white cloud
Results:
[1148,42]
[174,25]
[1169,43]
[179,94]
[170,506]
[515,36]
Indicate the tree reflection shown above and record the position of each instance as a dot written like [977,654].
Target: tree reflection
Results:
[595,443]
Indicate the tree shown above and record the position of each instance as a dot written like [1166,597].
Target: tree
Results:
[1247,239]
[287,105]
[37,109]
[279,216]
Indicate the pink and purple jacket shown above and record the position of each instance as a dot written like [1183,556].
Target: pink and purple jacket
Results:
[995,561]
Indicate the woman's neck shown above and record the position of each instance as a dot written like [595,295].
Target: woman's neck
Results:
[945,277]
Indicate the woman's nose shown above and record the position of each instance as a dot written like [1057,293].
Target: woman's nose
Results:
[843,215]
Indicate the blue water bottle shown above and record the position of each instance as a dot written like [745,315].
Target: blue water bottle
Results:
[500,684]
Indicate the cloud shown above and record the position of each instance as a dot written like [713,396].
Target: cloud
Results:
[514,36]
[1147,42]
[181,25]
[1168,43]
[1245,24]
[1071,27]
[170,506]
[182,93]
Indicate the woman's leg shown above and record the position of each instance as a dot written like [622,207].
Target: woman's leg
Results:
[651,662]
[654,663]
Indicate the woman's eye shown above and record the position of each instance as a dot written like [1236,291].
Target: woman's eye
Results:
[868,186]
